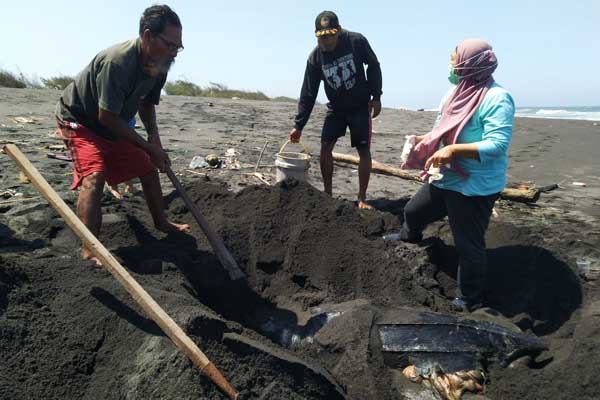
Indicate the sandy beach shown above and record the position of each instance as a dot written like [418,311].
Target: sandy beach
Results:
[68,331]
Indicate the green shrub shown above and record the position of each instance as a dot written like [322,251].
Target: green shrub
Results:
[58,82]
[10,80]
[183,87]
[285,99]
[222,91]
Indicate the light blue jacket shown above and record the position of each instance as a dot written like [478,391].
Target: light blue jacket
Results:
[490,129]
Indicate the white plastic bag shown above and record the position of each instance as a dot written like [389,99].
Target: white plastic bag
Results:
[198,162]
[409,145]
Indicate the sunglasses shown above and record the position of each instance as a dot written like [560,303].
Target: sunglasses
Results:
[172,46]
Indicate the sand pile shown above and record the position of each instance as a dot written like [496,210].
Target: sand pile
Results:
[70,331]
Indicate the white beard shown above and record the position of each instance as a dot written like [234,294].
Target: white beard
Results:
[165,66]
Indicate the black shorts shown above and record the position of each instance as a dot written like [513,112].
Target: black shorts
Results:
[359,122]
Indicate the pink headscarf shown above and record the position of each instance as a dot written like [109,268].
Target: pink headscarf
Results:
[475,63]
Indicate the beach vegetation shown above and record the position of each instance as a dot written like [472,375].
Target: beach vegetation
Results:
[59,82]
[11,80]
[183,87]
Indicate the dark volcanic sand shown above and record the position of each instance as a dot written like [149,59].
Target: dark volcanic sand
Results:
[70,331]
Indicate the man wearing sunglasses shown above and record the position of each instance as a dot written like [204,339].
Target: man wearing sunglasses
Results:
[93,114]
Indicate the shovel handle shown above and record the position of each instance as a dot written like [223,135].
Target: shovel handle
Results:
[224,256]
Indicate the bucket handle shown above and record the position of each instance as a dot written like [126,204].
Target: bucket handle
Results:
[299,142]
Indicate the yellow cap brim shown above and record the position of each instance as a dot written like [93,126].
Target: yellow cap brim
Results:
[326,32]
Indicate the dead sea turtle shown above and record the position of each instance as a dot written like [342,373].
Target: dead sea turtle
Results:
[447,352]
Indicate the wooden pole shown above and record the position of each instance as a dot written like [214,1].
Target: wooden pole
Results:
[260,157]
[519,195]
[150,307]
[224,256]
[378,167]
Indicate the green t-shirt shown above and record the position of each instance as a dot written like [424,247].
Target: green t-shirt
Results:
[115,81]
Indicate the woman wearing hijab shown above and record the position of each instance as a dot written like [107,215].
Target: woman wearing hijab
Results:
[468,146]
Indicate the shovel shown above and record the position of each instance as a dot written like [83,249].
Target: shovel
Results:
[224,256]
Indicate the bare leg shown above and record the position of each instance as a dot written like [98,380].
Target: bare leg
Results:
[364,173]
[114,190]
[129,188]
[88,207]
[327,165]
[156,205]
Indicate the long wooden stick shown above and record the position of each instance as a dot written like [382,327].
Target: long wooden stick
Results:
[260,156]
[378,167]
[150,307]
[519,195]
[18,200]
[224,256]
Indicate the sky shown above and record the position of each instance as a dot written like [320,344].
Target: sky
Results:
[548,51]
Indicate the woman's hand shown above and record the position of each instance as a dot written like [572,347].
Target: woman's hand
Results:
[441,157]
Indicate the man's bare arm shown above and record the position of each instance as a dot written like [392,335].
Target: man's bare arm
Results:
[116,125]
[147,114]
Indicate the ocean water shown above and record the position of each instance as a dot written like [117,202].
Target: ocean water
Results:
[583,113]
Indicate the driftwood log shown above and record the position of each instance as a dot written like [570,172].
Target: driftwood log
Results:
[519,195]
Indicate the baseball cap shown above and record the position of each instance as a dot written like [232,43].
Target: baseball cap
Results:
[327,23]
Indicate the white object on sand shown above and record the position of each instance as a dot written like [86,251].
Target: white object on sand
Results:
[392,236]
[25,120]
[232,162]
[409,145]
[584,267]
[198,162]
[582,184]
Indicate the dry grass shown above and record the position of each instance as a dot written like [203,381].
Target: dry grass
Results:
[184,87]
[59,82]
[10,80]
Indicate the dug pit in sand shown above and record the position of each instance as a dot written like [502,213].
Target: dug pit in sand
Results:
[304,253]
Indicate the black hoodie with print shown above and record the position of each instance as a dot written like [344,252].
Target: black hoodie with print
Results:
[347,86]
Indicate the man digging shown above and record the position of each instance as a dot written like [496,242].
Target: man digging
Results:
[93,114]
[339,61]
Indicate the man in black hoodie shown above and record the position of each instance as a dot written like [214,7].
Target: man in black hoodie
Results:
[339,60]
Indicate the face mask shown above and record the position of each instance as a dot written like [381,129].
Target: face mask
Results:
[452,77]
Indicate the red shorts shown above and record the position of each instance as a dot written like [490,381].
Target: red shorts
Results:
[119,160]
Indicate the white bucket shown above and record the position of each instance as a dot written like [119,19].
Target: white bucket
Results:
[292,165]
